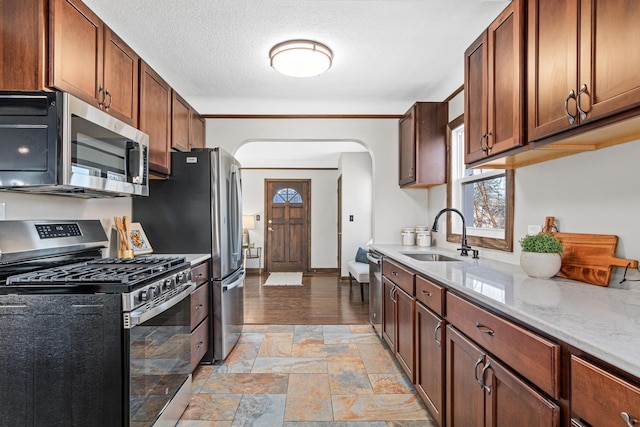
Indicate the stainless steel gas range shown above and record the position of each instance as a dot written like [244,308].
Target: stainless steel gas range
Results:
[87,340]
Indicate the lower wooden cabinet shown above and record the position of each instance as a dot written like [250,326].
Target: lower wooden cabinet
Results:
[398,314]
[405,315]
[200,324]
[483,392]
[388,313]
[430,333]
[601,398]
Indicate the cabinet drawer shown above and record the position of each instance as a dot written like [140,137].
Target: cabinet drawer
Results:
[199,305]
[199,343]
[534,357]
[200,273]
[430,294]
[399,275]
[599,397]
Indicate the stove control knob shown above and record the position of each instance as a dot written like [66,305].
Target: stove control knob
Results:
[143,296]
[189,275]
[168,284]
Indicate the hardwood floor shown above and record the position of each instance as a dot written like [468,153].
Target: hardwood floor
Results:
[321,300]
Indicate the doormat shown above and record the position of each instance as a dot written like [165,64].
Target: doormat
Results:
[284,279]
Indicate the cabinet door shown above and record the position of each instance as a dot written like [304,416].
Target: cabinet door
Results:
[155,118]
[601,398]
[465,397]
[389,312]
[77,50]
[180,123]
[430,361]
[407,148]
[552,59]
[511,402]
[24,45]
[198,131]
[120,79]
[608,64]
[475,100]
[405,319]
[505,43]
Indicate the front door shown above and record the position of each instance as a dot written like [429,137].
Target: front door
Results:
[288,209]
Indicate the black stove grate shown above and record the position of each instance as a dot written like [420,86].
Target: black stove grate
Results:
[109,271]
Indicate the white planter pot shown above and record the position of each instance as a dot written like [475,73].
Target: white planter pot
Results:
[540,266]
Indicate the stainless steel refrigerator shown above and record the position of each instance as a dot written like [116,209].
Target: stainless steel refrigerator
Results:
[199,210]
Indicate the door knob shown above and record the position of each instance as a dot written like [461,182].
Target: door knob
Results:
[270,229]
[270,222]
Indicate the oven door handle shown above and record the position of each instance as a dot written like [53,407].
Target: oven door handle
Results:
[135,318]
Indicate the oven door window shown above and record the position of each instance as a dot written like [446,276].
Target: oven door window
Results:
[160,357]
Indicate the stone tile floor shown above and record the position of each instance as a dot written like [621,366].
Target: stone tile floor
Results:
[305,376]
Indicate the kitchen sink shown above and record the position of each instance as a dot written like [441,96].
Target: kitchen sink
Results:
[430,257]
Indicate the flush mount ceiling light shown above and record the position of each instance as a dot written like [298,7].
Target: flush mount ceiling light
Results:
[301,58]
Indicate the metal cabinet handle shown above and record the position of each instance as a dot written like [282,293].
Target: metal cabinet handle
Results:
[426,293]
[631,422]
[583,90]
[110,100]
[572,95]
[577,423]
[435,334]
[489,146]
[199,306]
[475,371]
[484,150]
[391,292]
[200,344]
[394,273]
[485,329]
[104,97]
[484,370]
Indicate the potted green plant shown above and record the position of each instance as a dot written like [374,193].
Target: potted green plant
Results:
[540,257]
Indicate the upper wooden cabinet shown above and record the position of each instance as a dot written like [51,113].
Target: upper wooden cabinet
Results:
[580,62]
[198,131]
[188,128]
[121,78]
[91,62]
[181,113]
[62,44]
[423,145]
[494,87]
[155,118]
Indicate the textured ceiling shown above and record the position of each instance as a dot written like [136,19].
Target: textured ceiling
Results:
[387,53]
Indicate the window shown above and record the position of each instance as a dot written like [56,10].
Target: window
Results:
[484,196]
[285,195]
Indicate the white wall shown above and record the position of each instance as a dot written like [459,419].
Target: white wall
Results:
[393,208]
[39,206]
[357,197]
[324,210]
[594,192]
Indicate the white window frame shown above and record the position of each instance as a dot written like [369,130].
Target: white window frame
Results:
[494,239]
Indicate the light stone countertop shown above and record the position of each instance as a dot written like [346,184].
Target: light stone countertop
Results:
[601,321]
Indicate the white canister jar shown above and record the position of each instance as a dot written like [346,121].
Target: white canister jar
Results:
[408,236]
[423,238]
[420,228]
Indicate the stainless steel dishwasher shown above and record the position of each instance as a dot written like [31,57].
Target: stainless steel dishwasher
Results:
[375,291]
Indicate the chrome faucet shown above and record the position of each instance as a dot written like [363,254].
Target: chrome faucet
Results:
[464,247]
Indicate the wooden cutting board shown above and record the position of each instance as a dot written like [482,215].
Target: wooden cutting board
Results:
[590,258]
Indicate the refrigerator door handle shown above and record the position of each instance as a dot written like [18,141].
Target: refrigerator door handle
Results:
[235,208]
[235,283]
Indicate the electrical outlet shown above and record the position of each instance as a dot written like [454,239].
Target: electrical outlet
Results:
[3,211]
[534,229]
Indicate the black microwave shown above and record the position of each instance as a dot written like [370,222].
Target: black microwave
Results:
[55,143]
